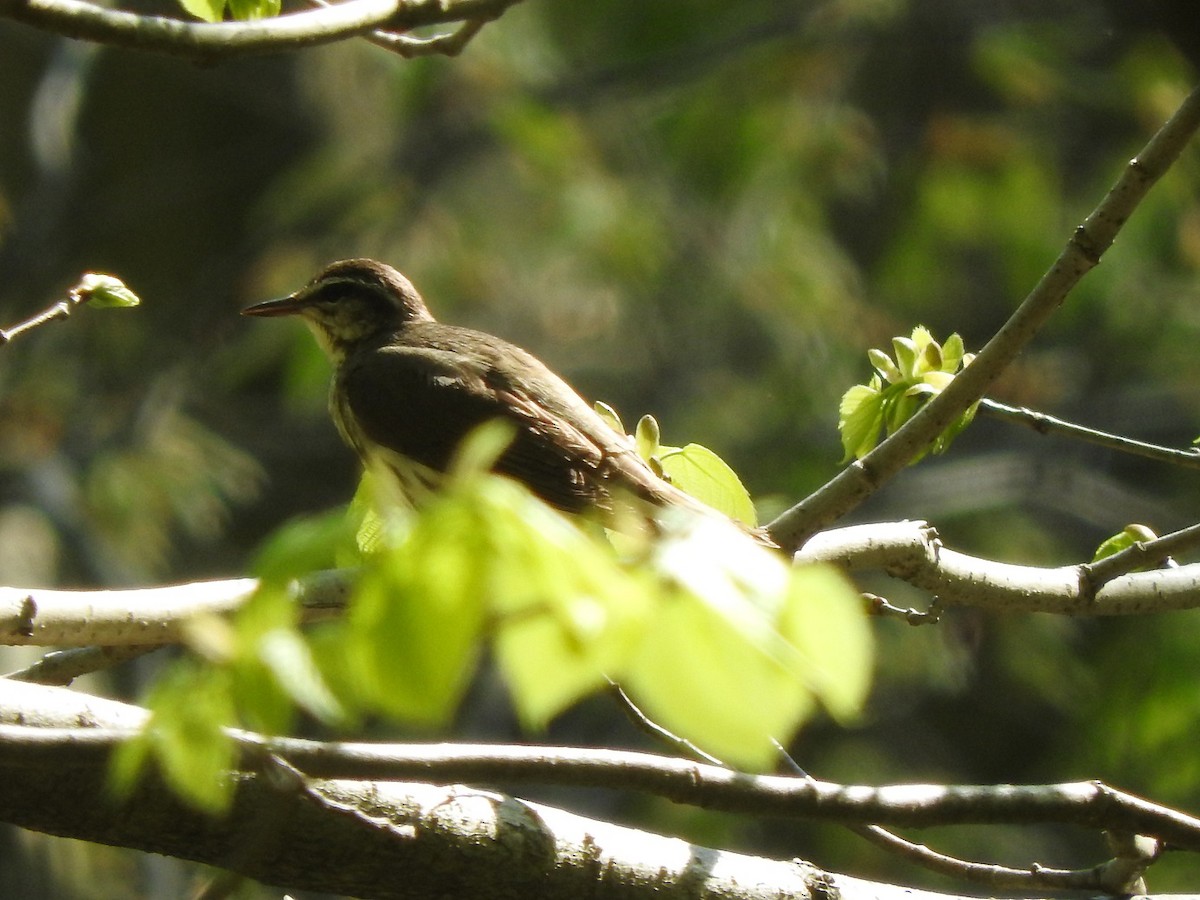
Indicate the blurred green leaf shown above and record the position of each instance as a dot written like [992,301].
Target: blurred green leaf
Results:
[732,658]
[184,737]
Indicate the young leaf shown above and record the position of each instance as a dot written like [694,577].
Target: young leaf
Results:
[104,292]
[708,478]
[1123,540]
[609,415]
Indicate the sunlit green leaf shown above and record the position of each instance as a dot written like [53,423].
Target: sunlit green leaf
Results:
[647,436]
[823,618]
[609,415]
[884,365]
[290,661]
[208,10]
[1123,540]
[105,292]
[860,418]
[701,676]
[707,477]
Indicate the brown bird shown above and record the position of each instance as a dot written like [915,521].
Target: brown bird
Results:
[407,389]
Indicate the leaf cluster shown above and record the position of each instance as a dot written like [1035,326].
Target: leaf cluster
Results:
[715,637]
[898,388]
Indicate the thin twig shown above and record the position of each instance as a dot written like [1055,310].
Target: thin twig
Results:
[679,744]
[450,44]
[64,666]
[879,606]
[1044,424]
[860,479]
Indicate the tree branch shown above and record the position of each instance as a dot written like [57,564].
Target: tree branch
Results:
[912,552]
[1082,253]
[139,616]
[220,40]
[292,794]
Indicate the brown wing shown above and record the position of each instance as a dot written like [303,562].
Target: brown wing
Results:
[421,401]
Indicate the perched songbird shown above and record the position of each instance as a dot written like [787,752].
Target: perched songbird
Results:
[407,389]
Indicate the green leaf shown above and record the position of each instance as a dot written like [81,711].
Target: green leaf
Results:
[733,655]
[185,737]
[290,661]
[253,9]
[823,618]
[708,478]
[906,356]
[647,436]
[578,616]
[860,419]
[208,10]
[104,292]
[306,545]
[1123,540]
[701,676]
[884,366]
[952,353]
[609,415]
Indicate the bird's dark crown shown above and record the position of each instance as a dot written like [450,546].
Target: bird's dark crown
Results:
[349,301]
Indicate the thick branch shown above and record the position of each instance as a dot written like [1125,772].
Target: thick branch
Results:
[144,616]
[1082,253]
[912,552]
[218,40]
[51,747]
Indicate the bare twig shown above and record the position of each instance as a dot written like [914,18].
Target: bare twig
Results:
[450,44]
[64,666]
[1043,424]
[1082,253]
[679,744]
[879,606]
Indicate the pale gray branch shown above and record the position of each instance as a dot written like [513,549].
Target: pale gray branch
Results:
[352,794]
[213,40]
[912,552]
[139,616]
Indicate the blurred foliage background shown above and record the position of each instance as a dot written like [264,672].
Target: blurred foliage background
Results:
[704,210]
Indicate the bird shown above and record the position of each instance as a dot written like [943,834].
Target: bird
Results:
[407,389]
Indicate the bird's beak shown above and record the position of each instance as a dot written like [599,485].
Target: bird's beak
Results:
[283,306]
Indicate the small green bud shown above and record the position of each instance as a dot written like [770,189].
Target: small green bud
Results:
[104,291]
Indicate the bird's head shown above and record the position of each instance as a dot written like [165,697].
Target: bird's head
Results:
[348,302]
